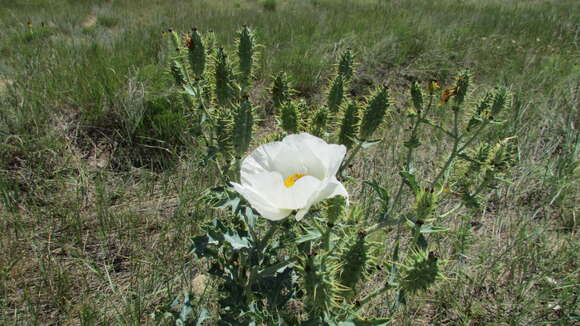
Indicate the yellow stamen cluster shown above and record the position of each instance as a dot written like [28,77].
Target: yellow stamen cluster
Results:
[291,180]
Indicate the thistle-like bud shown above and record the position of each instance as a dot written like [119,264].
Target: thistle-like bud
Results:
[419,271]
[197,54]
[349,125]
[417,96]
[318,122]
[346,65]
[481,111]
[224,84]
[178,73]
[242,129]
[425,204]
[281,90]
[246,45]
[336,94]
[461,87]
[223,130]
[175,39]
[374,113]
[335,209]
[355,260]
[319,284]
[290,118]
[501,100]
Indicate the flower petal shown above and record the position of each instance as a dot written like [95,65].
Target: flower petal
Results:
[331,188]
[322,159]
[262,159]
[261,205]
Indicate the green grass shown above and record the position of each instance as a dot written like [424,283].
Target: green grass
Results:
[100,187]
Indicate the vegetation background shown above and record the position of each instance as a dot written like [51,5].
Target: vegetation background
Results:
[100,183]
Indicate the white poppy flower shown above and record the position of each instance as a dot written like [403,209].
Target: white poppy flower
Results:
[292,174]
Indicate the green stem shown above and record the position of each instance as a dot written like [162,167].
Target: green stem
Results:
[374,294]
[454,152]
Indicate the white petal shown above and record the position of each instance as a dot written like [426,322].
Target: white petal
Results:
[328,189]
[301,193]
[262,159]
[323,159]
[263,207]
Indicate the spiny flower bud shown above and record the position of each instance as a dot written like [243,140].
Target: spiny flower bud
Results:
[334,209]
[319,284]
[346,65]
[481,111]
[349,125]
[355,260]
[224,84]
[419,271]
[223,130]
[281,90]
[175,39]
[336,94]
[246,45]
[461,87]
[417,96]
[243,124]
[425,204]
[374,114]
[197,54]
[501,100]
[290,117]
[178,73]
[318,122]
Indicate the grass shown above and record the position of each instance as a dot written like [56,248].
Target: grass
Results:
[100,187]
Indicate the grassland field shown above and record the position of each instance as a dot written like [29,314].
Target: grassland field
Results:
[98,205]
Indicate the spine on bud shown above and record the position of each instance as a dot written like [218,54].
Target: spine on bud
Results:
[242,129]
[349,125]
[346,65]
[336,94]
[197,54]
[319,122]
[461,87]
[246,45]
[224,84]
[281,90]
[290,118]
[355,263]
[374,114]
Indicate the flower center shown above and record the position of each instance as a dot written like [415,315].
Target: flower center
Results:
[291,180]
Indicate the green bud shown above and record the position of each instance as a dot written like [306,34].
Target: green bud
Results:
[290,118]
[281,90]
[175,39]
[242,129]
[335,209]
[318,122]
[481,111]
[223,130]
[374,113]
[246,45]
[225,87]
[417,96]
[178,73]
[501,100]
[462,84]
[349,125]
[346,65]
[197,55]
[419,271]
[319,283]
[355,260]
[425,204]
[336,94]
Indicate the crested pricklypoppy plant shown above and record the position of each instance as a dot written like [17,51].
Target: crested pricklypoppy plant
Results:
[346,65]
[281,90]
[335,94]
[243,125]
